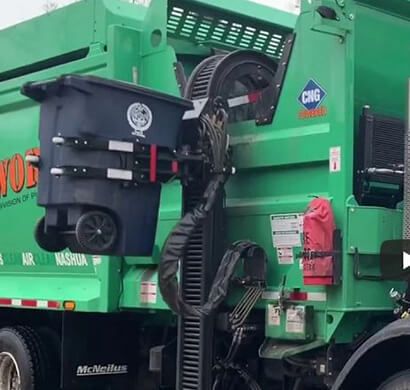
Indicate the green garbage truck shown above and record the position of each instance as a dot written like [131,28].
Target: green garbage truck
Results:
[203,194]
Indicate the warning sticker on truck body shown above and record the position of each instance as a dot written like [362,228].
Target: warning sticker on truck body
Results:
[295,319]
[285,256]
[149,288]
[287,230]
[148,292]
[335,159]
[273,315]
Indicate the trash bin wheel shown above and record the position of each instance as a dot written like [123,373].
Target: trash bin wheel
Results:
[51,241]
[96,232]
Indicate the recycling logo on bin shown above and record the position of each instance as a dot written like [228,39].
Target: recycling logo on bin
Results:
[139,117]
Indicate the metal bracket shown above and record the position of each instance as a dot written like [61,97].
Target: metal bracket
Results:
[265,114]
[339,26]
[357,273]
[180,76]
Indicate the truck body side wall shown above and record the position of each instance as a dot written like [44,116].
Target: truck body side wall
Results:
[283,166]
[117,45]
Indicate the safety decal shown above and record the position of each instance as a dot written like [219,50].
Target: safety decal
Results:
[286,231]
[273,315]
[311,98]
[295,319]
[285,255]
[148,292]
[335,159]
[149,288]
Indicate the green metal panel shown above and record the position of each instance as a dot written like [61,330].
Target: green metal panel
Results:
[381,62]
[378,224]
[283,166]
[123,50]
[399,8]
[31,43]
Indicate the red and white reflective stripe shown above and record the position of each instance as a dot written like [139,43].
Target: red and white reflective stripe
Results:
[30,303]
[246,99]
[297,296]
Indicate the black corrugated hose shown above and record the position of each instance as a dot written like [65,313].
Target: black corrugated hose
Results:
[174,249]
[213,131]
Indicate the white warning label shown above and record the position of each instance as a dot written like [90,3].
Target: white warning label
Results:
[148,292]
[335,159]
[285,256]
[273,315]
[286,230]
[295,319]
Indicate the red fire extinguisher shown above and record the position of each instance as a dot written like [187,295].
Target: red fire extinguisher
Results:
[318,248]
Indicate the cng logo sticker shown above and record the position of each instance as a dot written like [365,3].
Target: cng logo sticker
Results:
[312,95]
[311,98]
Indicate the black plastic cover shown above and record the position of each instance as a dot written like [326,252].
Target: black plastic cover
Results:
[75,105]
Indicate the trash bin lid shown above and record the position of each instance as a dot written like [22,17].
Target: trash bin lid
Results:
[39,91]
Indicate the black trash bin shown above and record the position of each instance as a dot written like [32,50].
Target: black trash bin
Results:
[90,129]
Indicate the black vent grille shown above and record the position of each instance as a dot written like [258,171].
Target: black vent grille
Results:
[197,25]
[388,143]
[379,160]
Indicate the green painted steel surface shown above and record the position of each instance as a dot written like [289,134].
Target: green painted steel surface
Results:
[109,39]
[357,60]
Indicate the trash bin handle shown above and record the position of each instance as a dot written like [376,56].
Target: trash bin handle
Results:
[38,90]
